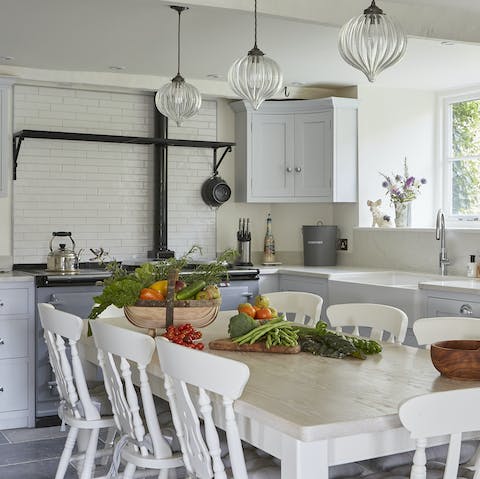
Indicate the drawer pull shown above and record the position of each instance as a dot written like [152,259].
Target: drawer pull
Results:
[2,341]
[466,310]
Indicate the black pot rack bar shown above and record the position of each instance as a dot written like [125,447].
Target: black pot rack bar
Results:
[161,142]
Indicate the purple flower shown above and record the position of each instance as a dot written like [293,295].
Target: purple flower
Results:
[385,184]
[423,181]
[409,181]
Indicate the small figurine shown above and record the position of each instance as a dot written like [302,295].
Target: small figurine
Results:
[379,218]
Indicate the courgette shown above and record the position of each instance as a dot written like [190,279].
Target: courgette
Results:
[191,290]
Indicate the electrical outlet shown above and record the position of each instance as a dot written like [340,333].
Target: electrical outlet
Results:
[342,244]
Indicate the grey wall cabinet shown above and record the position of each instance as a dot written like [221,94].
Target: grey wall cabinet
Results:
[296,151]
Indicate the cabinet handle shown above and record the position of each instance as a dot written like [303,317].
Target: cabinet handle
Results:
[1,303]
[466,309]
[247,295]
[289,170]
[1,389]
[2,341]
[298,169]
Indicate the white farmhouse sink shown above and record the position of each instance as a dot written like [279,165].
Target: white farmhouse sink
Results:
[395,288]
[397,279]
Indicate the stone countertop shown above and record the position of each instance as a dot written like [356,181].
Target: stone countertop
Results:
[454,285]
[11,276]
[316,271]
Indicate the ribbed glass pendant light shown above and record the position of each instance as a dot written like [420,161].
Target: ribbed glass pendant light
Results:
[372,42]
[178,100]
[255,77]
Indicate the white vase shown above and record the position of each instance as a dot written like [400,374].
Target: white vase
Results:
[402,215]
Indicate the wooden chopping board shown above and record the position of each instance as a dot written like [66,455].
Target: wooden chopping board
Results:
[227,344]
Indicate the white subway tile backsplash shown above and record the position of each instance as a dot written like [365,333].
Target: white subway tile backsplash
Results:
[103,192]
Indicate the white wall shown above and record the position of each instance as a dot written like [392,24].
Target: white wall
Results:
[394,124]
[103,192]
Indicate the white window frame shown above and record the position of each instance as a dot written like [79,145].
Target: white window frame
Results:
[466,221]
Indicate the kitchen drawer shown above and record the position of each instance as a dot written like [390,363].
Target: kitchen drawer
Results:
[14,384]
[452,307]
[13,338]
[14,301]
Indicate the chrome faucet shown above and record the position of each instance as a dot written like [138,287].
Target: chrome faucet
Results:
[440,235]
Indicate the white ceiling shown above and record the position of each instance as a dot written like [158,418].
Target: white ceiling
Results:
[140,35]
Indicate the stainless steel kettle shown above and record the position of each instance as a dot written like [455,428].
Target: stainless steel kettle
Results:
[62,260]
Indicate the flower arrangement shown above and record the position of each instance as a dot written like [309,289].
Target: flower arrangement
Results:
[402,188]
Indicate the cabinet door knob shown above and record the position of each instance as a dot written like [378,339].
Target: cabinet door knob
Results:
[1,389]
[1,303]
[289,170]
[466,309]
[298,169]
[2,341]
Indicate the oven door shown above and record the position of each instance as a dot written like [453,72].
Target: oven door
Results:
[73,299]
[237,292]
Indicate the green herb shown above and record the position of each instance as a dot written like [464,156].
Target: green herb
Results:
[319,340]
[213,273]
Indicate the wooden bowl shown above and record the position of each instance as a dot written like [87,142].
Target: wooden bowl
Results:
[457,359]
[153,314]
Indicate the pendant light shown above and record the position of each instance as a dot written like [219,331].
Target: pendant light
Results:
[255,77]
[372,42]
[178,100]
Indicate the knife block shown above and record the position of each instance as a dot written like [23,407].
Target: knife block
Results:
[244,253]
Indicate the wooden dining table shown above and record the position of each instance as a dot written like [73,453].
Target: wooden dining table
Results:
[312,412]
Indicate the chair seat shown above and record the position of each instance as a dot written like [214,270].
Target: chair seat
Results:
[99,397]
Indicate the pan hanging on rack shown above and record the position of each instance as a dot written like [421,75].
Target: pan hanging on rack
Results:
[215,190]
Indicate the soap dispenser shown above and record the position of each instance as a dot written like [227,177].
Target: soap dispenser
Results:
[472,267]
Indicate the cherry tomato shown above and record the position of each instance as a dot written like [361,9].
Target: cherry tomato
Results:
[185,335]
[151,294]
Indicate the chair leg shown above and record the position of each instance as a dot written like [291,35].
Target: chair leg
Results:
[129,471]
[111,432]
[67,453]
[88,470]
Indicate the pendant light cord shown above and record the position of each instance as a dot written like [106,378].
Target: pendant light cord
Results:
[255,46]
[178,43]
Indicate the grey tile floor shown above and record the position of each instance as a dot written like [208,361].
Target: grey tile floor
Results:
[32,453]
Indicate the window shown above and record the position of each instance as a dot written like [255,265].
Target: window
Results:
[462,157]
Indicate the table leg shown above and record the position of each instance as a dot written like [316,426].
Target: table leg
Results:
[304,460]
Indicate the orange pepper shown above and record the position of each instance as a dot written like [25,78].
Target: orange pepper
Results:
[151,294]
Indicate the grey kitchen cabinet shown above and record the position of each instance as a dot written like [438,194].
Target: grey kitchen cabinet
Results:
[296,151]
[307,284]
[268,283]
[17,354]
[453,304]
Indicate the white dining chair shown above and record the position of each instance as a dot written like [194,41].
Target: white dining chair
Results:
[306,307]
[431,330]
[79,408]
[191,378]
[437,414]
[124,354]
[386,323]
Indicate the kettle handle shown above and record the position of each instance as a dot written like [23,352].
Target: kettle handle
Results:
[62,233]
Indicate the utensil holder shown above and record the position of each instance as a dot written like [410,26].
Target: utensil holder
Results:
[244,253]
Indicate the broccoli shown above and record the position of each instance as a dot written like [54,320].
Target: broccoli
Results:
[241,324]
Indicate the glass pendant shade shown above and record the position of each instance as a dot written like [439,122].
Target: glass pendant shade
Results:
[372,42]
[178,100]
[256,77]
